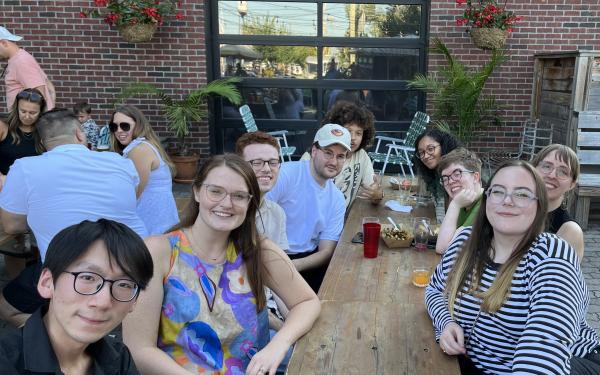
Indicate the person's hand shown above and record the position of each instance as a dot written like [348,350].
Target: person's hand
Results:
[267,360]
[373,192]
[466,197]
[452,340]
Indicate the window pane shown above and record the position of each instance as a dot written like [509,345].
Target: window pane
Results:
[268,61]
[370,63]
[267,18]
[385,105]
[371,20]
[276,103]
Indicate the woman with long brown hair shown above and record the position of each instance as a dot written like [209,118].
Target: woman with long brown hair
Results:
[508,298]
[133,137]
[205,310]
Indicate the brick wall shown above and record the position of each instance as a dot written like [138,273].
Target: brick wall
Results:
[549,25]
[86,59]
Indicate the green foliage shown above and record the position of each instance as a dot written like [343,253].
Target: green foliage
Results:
[399,20]
[276,54]
[460,106]
[181,113]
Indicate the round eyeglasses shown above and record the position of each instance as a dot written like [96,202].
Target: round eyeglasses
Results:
[520,197]
[217,193]
[456,175]
[429,150]
[329,155]
[89,283]
[561,172]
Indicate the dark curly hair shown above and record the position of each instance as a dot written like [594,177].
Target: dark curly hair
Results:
[447,143]
[346,113]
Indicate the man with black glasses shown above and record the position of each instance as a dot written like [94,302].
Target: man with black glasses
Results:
[65,185]
[91,277]
[314,206]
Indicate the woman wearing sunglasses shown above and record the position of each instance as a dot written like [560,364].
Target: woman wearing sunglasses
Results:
[133,137]
[18,139]
[430,146]
[205,310]
[507,298]
[559,167]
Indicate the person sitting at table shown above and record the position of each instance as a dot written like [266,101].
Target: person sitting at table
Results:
[261,150]
[357,178]
[18,139]
[91,279]
[314,206]
[460,172]
[133,137]
[431,145]
[204,310]
[559,167]
[63,186]
[508,298]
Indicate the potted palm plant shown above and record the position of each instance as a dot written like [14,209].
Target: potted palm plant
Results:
[460,106]
[182,113]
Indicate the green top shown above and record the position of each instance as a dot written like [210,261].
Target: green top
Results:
[467,215]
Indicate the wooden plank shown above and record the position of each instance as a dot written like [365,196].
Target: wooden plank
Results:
[582,73]
[557,98]
[551,110]
[588,157]
[588,139]
[563,85]
[559,72]
[589,120]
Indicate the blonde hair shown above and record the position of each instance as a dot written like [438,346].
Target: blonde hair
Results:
[142,129]
[477,252]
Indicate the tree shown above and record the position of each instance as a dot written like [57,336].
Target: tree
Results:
[399,20]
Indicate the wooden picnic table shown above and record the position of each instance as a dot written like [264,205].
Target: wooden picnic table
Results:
[373,320]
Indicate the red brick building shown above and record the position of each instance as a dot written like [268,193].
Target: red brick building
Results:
[86,59]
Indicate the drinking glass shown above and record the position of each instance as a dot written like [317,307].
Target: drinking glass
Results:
[421,230]
[371,230]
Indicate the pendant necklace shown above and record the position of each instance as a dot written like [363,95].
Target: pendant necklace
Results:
[198,249]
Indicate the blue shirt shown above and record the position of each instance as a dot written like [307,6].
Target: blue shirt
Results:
[70,184]
[313,212]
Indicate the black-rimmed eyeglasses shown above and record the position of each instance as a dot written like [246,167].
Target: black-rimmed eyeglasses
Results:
[429,150]
[456,175]
[258,164]
[125,126]
[89,283]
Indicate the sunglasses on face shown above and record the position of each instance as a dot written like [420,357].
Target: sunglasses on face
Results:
[30,96]
[125,126]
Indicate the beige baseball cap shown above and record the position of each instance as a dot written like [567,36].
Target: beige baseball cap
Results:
[7,35]
[330,134]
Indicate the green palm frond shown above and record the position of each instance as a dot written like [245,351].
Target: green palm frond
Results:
[457,93]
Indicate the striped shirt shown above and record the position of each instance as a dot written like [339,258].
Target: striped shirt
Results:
[539,327]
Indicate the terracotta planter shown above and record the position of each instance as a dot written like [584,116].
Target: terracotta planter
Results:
[140,32]
[485,38]
[187,167]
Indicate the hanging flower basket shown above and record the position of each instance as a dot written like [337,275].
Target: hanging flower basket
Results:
[488,38]
[139,32]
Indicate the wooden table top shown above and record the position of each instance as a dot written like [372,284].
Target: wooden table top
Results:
[373,320]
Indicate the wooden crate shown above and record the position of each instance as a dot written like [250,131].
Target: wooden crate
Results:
[565,83]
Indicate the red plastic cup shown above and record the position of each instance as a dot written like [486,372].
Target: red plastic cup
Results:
[371,232]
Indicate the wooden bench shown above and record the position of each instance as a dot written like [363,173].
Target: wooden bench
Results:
[588,152]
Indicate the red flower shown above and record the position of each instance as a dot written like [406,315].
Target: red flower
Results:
[179,15]
[509,30]
[101,3]
[461,2]
[82,15]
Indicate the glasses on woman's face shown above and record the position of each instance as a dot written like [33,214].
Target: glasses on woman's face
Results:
[521,197]
[455,176]
[258,164]
[125,126]
[429,150]
[561,172]
[217,193]
[90,283]
[30,96]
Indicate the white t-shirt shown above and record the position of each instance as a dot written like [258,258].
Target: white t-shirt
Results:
[69,184]
[357,172]
[270,221]
[313,212]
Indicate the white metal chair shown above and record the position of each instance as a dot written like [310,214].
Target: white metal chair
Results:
[285,150]
[400,151]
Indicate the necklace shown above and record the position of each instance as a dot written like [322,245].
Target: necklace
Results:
[200,252]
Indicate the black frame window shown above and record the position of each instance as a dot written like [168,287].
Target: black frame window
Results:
[296,64]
